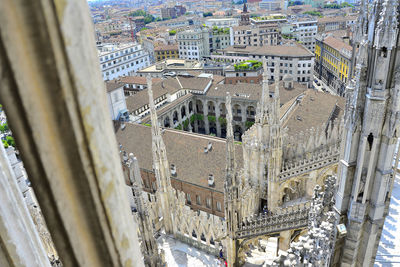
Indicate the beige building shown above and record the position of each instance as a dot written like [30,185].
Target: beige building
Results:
[326,24]
[293,59]
[253,35]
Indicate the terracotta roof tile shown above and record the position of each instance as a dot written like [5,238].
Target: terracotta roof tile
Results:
[166,48]
[138,80]
[337,44]
[111,86]
[185,150]
[314,110]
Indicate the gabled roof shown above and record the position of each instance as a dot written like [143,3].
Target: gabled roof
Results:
[314,110]
[113,85]
[169,85]
[138,80]
[185,150]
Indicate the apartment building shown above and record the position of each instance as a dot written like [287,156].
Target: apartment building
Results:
[122,60]
[221,22]
[292,58]
[199,43]
[269,34]
[172,12]
[327,24]
[272,5]
[305,32]
[163,52]
[333,62]
[193,44]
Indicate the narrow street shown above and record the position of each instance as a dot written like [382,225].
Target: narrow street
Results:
[322,86]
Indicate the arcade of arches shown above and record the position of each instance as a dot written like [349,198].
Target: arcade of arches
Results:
[207,116]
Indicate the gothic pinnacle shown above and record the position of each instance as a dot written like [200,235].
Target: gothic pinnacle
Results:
[230,146]
[154,120]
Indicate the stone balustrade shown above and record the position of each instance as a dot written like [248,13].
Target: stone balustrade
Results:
[291,217]
[305,165]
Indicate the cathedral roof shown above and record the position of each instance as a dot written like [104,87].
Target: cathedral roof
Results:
[185,150]
[315,109]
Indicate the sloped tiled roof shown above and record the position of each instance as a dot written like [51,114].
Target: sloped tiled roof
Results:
[185,150]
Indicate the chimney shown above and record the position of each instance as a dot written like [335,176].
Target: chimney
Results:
[211,181]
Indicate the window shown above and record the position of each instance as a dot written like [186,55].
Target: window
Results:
[188,200]
[198,200]
[208,202]
[219,206]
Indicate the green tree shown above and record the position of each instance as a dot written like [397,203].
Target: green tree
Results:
[172,32]
[138,13]
[313,13]
[222,120]
[196,117]
[10,140]
[211,118]
[5,144]
[186,124]
[249,124]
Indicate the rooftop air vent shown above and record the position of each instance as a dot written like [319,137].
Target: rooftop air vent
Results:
[205,150]
[299,118]
[173,170]
[211,181]
[209,146]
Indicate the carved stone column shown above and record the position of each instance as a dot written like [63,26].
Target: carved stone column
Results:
[243,109]
[206,123]
[284,240]
[217,123]
[20,245]
[179,117]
